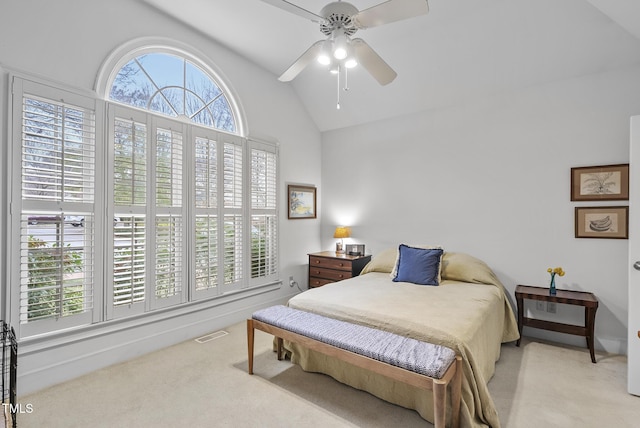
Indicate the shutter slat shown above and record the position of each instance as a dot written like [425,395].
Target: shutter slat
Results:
[263,180]
[206,252]
[130,163]
[58,151]
[232,175]
[169,261]
[129,260]
[168,168]
[206,173]
[232,255]
[56,266]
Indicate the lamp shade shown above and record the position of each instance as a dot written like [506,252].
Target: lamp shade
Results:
[342,232]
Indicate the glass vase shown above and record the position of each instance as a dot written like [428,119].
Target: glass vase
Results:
[552,286]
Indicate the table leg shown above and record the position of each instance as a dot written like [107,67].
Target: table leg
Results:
[519,304]
[250,340]
[590,322]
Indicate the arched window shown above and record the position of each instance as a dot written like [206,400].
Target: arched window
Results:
[174,86]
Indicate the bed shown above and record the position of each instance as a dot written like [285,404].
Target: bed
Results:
[468,311]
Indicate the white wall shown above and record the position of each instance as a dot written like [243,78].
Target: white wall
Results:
[3,190]
[67,42]
[492,178]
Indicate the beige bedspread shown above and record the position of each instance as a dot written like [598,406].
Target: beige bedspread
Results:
[467,312]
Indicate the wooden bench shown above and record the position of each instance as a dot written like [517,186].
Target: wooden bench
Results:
[420,364]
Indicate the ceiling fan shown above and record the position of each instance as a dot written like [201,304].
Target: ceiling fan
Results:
[339,21]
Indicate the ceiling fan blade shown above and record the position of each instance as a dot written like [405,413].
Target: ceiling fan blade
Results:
[373,63]
[390,11]
[296,10]
[305,59]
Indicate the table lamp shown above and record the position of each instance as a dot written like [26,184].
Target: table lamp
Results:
[341,232]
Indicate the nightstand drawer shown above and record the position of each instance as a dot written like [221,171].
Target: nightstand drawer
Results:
[335,275]
[324,262]
[319,282]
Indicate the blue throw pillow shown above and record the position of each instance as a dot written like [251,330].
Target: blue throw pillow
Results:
[419,265]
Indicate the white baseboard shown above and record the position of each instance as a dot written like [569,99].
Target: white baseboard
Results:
[609,345]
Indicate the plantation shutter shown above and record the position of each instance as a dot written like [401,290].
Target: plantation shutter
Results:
[206,271]
[264,216]
[169,234]
[57,185]
[232,213]
[129,135]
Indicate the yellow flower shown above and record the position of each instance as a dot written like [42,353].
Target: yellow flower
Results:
[558,270]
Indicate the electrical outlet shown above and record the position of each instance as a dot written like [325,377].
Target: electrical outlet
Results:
[540,305]
[551,307]
[291,281]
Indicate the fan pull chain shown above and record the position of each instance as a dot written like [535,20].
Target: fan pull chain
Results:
[346,79]
[338,87]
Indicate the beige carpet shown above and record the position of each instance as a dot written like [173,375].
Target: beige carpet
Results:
[550,385]
[206,385]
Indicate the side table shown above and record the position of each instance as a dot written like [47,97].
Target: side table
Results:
[568,297]
[328,266]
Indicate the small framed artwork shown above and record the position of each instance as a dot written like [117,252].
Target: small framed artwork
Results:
[302,201]
[602,222]
[600,183]
[355,249]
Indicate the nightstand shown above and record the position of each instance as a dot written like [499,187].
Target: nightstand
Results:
[567,297]
[329,266]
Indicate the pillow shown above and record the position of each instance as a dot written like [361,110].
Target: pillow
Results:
[394,271]
[465,268]
[418,265]
[383,262]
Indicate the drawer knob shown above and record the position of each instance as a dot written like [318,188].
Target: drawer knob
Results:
[341,276]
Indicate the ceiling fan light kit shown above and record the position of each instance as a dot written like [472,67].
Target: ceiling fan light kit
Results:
[324,57]
[341,42]
[339,21]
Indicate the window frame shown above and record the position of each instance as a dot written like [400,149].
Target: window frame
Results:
[103,310]
[146,45]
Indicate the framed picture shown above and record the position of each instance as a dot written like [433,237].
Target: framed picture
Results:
[302,201]
[600,183]
[602,222]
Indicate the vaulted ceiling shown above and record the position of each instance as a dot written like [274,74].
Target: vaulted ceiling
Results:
[460,50]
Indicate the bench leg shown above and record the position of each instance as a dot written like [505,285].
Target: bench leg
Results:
[440,397]
[279,348]
[250,339]
[456,392]
[439,403]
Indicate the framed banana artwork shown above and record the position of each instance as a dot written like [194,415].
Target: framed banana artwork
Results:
[602,222]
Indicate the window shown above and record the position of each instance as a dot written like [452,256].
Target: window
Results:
[174,86]
[191,209]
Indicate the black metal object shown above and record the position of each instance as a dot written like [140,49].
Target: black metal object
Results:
[9,372]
